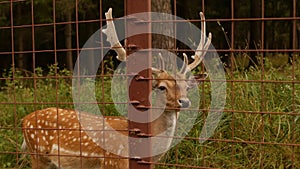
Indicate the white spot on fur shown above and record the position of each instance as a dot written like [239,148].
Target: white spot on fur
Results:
[51,137]
[42,148]
[32,136]
[64,151]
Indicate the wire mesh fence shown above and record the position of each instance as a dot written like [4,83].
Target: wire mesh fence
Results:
[257,42]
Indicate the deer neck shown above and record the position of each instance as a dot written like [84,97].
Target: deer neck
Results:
[163,128]
[165,124]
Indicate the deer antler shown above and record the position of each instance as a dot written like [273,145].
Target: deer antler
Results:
[184,64]
[200,52]
[202,47]
[112,37]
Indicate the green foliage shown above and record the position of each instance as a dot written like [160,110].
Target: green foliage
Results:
[259,122]
[256,112]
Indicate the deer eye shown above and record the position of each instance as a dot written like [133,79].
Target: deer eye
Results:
[162,88]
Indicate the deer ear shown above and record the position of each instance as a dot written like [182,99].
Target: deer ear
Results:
[195,80]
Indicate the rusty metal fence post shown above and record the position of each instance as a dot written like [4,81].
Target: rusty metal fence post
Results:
[139,88]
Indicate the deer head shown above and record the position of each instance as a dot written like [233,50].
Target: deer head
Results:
[171,88]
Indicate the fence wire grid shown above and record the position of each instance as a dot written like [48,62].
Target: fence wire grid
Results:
[257,42]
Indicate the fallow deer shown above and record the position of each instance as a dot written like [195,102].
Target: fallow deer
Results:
[54,137]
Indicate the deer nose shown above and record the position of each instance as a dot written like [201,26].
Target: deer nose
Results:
[184,102]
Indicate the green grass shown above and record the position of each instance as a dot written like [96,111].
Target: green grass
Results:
[245,137]
[259,127]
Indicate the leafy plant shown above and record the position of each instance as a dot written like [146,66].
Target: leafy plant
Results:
[258,126]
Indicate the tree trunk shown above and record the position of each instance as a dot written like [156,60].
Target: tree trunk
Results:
[68,39]
[255,30]
[161,41]
[21,59]
[20,62]
[293,32]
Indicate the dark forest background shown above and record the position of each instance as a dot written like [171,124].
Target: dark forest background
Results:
[18,42]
